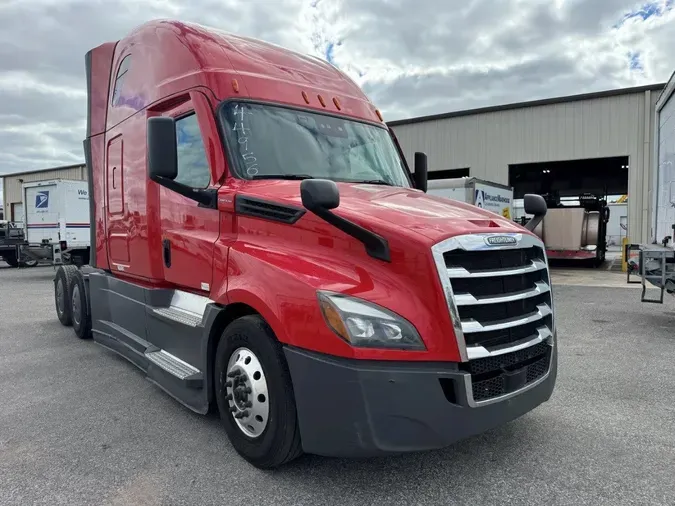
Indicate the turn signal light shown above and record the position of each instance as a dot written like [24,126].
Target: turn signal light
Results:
[333,318]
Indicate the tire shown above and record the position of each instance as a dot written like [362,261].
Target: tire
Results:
[278,442]
[10,259]
[81,313]
[63,281]
[29,263]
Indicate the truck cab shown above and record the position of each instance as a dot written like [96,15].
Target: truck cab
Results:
[261,248]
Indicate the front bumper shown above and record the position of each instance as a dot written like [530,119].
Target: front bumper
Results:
[353,408]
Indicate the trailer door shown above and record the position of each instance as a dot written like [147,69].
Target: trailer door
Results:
[42,213]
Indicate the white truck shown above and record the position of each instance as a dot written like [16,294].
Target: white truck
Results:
[56,223]
[490,196]
[654,263]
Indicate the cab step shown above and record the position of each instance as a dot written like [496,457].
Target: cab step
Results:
[192,376]
[179,315]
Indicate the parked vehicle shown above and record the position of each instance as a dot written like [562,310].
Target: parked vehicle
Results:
[56,221]
[261,247]
[654,262]
[488,195]
[11,238]
[575,231]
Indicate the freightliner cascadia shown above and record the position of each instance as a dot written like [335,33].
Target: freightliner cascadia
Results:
[261,248]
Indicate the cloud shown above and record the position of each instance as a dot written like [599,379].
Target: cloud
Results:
[410,56]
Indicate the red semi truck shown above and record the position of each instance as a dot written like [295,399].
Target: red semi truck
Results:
[260,247]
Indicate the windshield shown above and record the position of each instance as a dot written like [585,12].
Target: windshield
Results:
[276,142]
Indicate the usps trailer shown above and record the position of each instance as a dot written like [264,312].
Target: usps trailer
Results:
[56,223]
[490,196]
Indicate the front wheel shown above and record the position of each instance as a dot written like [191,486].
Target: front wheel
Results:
[254,394]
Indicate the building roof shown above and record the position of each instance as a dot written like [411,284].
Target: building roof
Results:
[62,167]
[531,103]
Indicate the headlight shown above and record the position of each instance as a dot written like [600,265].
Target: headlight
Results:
[367,325]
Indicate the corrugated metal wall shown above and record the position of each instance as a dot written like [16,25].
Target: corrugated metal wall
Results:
[598,127]
[12,185]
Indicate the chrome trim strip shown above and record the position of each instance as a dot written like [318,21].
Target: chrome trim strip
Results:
[477,404]
[475,352]
[475,242]
[466,299]
[461,272]
[543,310]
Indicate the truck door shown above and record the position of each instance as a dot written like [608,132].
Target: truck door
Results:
[189,231]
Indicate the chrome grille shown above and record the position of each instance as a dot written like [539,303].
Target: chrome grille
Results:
[499,296]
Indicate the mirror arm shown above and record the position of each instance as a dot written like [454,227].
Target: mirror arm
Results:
[206,197]
[534,222]
[376,245]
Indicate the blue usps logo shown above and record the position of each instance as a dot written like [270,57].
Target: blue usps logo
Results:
[42,200]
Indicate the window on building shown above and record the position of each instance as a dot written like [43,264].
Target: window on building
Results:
[193,165]
[449,173]
[119,79]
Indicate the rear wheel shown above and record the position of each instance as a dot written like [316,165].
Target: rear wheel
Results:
[254,394]
[10,258]
[63,281]
[81,313]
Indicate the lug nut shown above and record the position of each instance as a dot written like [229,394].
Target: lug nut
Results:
[228,397]
[241,414]
[233,409]
[233,374]
[228,384]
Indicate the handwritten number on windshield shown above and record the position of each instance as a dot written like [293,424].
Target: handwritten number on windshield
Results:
[243,132]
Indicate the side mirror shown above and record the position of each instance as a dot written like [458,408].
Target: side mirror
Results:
[535,205]
[318,194]
[421,171]
[162,150]
[163,162]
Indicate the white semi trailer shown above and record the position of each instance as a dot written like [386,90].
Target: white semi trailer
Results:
[56,223]
[654,263]
[491,196]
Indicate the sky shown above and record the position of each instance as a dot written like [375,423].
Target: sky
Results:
[412,57]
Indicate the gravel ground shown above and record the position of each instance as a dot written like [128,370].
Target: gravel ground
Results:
[79,425]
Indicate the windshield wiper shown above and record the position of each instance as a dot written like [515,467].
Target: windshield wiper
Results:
[373,181]
[282,176]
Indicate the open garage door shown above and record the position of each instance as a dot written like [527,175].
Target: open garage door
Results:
[578,194]
[571,178]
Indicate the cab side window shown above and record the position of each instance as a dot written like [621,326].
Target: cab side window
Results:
[193,165]
[119,79]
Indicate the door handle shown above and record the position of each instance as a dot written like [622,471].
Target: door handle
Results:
[166,249]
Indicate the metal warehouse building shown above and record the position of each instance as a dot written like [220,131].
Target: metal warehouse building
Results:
[598,142]
[11,188]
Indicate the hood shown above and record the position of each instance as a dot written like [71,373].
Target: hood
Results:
[433,217]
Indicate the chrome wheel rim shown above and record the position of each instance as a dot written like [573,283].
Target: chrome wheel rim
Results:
[60,298]
[246,392]
[76,305]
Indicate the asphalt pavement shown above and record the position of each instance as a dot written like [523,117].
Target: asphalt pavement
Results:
[81,426]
